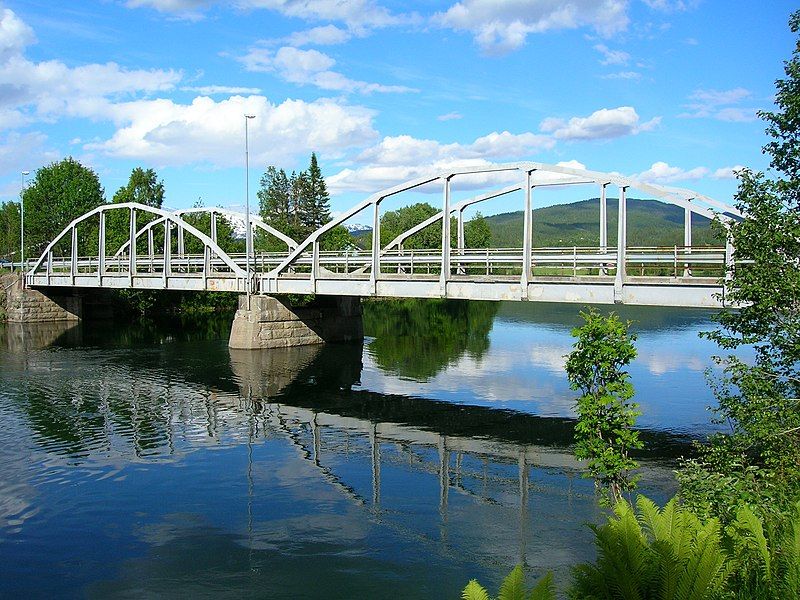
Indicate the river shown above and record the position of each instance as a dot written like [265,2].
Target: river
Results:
[151,460]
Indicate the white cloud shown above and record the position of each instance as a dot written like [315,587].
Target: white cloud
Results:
[602,124]
[208,132]
[20,151]
[623,75]
[503,25]
[358,15]
[717,104]
[187,9]
[400,158]
[661,172]
[326,35]
[31,91]
[311,67]
[15,35]
[212,90]
[451,116]
[727,172]
[612,57]
[671,5]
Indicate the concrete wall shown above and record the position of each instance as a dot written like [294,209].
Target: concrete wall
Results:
[271,323]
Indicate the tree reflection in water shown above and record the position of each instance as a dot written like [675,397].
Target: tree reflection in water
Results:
[419,338]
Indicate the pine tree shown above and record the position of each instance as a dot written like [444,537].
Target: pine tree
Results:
[318,201]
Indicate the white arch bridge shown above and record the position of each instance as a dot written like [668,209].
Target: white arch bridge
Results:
[169,252]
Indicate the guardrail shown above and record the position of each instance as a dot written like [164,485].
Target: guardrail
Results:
[675,261]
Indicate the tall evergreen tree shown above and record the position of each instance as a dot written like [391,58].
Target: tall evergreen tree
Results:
[317,205]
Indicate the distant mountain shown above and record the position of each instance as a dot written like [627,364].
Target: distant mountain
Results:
[357,229]
[650,223]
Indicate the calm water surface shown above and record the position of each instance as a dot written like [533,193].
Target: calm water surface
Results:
[153,461]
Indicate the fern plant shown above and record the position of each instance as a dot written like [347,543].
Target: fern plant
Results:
[513,588]
[768,558]
[664,554]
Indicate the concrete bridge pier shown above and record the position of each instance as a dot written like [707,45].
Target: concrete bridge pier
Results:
[272,323]
[25,305]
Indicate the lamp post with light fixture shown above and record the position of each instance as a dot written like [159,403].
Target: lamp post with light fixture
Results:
[248,240]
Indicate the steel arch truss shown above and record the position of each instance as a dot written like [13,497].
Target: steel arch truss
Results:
[212,269]
[611,271]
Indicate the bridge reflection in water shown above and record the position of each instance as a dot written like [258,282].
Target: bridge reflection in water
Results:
[467,484]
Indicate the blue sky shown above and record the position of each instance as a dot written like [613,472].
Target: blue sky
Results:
[665,90]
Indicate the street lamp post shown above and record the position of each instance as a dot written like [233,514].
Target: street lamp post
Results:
[248,240]
[22,222]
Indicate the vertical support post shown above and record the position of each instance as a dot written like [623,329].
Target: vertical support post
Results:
[101,250]
[603,218]
[73,268]
[314,264]
[460,239]
[132,247]
[214,226]
[167,251]
[151,252]
[445,273]
[687,239]
[207,266]
[622,235]
[729,264]
[603,226]
[376,247]
[181,244]
[527,236]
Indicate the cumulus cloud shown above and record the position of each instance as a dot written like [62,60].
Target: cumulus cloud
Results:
[720,105]
[205,131]
[212,90]
[399,158]
[623,75]
[326,35]
[358,15]
[661,172]
[20,151]
[311,67]
[612,57]
[15,34]
[602,124]
[727,172]
[500,26]
[34,91]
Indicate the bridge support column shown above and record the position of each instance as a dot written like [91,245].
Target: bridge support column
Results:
[271,323]
[25,305]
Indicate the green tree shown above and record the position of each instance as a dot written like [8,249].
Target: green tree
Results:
[337,238]
[9,230]
[395,222]
[477,233]
[143,187]
[604,434]
[757,460]
[315,203]
[59,193]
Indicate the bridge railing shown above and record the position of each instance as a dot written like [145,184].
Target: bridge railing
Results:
[672,261]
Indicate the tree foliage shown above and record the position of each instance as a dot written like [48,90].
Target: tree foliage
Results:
[296,205]
[143,187]
[58,194]
[9,230]
[757,460]
[604,434]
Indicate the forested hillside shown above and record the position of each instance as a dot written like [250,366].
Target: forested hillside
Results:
[650,223]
